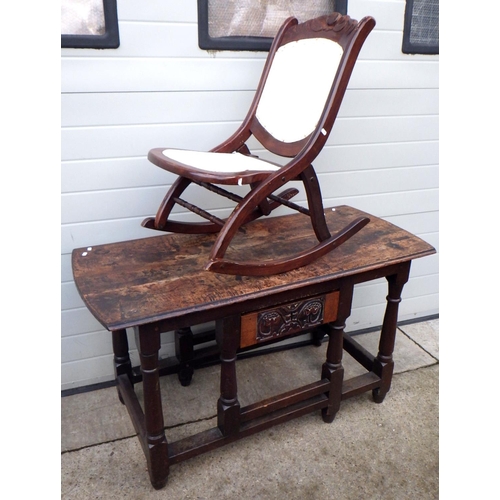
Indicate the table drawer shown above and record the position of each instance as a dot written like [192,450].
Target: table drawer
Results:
[287,319]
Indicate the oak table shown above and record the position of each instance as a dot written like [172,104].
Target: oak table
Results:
[159,284]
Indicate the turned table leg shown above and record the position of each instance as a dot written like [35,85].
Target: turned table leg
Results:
[384,364]
[228,406]
[332,368]
[184,351]
[121,359]
[155,443]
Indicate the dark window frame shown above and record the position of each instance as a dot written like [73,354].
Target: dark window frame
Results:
[253,43]
[109,40]
[413,48]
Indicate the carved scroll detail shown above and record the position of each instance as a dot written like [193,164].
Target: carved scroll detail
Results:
[334,26]
[290,318]
[335,22]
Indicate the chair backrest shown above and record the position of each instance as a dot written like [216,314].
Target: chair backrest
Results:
[304,81]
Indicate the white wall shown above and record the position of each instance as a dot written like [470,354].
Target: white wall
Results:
[159,89]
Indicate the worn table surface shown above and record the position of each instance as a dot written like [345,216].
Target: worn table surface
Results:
[163,278]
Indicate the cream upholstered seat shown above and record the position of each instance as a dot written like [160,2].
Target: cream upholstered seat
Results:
[292,114]
[219,162]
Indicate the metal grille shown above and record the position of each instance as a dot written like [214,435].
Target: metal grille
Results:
[425,22]
[260,17]
[82,17]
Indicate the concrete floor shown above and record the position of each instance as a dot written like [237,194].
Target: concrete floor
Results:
[370,451]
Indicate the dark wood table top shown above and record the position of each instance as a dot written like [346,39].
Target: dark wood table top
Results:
[162,278]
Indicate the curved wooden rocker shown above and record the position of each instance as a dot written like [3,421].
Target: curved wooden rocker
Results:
[292,114]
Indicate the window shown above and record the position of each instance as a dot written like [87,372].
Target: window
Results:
[89,24]
[421,28]
[252,24]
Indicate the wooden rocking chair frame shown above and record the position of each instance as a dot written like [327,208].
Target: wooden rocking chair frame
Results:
[261,200]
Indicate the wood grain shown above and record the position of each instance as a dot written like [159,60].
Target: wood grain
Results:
[162,278]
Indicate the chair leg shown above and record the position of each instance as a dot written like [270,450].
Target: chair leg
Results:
[177,188]
[161,221]
[315,203]
[250,203]
[253,206]
[240,215]
[248,209]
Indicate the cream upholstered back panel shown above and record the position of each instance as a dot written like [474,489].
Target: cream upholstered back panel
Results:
[297,87]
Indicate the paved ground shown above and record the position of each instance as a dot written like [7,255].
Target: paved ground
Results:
[370,451]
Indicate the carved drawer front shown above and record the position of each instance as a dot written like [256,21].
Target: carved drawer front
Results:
[287,319]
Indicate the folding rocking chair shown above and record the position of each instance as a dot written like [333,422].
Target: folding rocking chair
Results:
[293,111]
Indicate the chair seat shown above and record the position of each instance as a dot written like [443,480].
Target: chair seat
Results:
[222,168]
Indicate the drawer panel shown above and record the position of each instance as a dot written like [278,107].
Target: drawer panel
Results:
[287,319]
